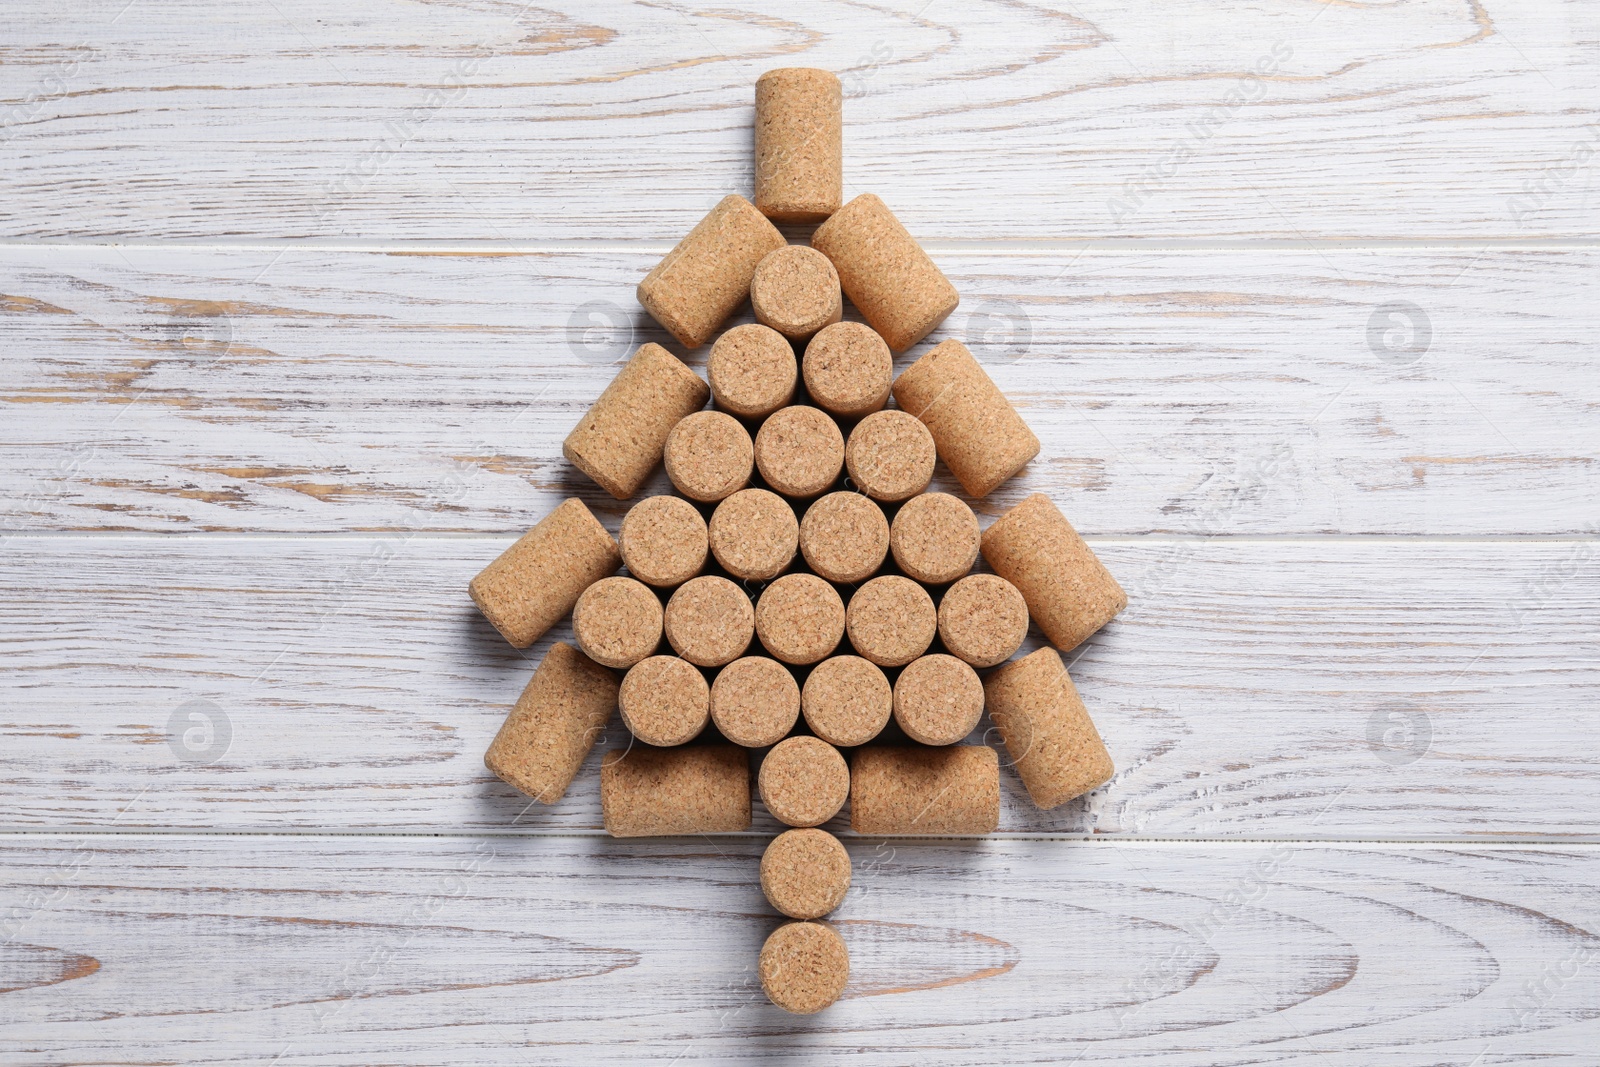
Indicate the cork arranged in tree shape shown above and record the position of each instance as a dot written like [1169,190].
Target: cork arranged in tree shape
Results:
[805,590]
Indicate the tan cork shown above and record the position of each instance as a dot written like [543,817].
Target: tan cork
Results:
[752,371]
[754,534]
[709,456]
[796,292]
[847,701]
[707,276]
[805,873]
[709,621]
[800,451]
[799,144]
[912,791]
[800,618]
[1047,731]
[884,272]
[848,370]
[804,781]
[980,436]
[935,538]
[544,740]
[844,537]
[937,700]
[804,967]
[619,441]
[983,619]
[617,622]
[755,701]
[890,456]
[1069,592]
[533,584]
[663,541]
[656,792]
[891,620]
[665,701]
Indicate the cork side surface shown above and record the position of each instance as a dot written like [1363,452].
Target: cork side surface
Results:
[799,135]
[1057,750]
[915,791]
[703,280]
[1069,592]
[655,792]
[619,441]
[532,585]
[888,277]
[545,738]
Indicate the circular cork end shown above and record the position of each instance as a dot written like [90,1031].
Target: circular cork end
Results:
[938,700]
[890,456]
[617,622]
[983,619]
[800,451]
[755,701]
[846,701]
[848,369]
[754,534]
[709,456]
[935,538]
[805,873]
[800,618]
[752,371]
[709,621]
[891,620]
[804,967]
[804,781]
[795,290]
[663,540]
[665,701]
[844,537]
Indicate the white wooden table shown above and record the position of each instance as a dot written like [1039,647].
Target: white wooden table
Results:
[300,298]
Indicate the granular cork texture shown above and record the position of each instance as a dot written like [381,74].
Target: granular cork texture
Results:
[884,272]
[804,781]
[799,144]
[935,538]
[656,792]
[665,701]
[804,967]
[707,276]
[755,701]
[619,441]
[617,622]
[709,621]
[663,541]
[911,791]
[1056,749]
[709,456]
[848,370]
[544,740]
[805,873]
[844,537]
[533,584]
[754,534]
[752,371]
[937,700]
[796,292]
[983,619]
[890,456]
[800,618]
[800,451]
[847,701]
[891,620]
[1069,592]
[980,436]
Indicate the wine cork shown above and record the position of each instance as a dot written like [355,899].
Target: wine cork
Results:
[1047,731]
[795,291]
[799,144]
[800,618]
[617,622]
[700,282]
[935,538]
[912,791]
[844,537]
[544,740]
[754,534]
[709,456]
[847,701]
[533,584]
[937,700]
[891,620]
[980,436]
[655,792]
[884,272]
[709,621]
[755,701]
[804,967]
[619,441]
[890,456]
[848,370]
[804,781]
[800,451]
[983,619]
[805,873]
[665,701]
[1069,592]
[752,371]
[663,541]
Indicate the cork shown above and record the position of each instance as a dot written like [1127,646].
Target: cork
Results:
[663,541]
[804,967]
[911,791]
[1047,731]
[848,370]
[617,622]
[804,781]
[937,700]
[654,792]
[544,740]
[800,618]
[665,701]
[800,451]
[805,873]
[891,620]
[754,534]
[935,538]
[983,619]
[619,441]
[700,282]
[799,144]
[980,436]
[890,456]
[709,621]
[709,456]
[847,701]
[844,537]
[533,584]
[755,701]
[884,272]
[752,371]
[1069,592]
[795,291]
